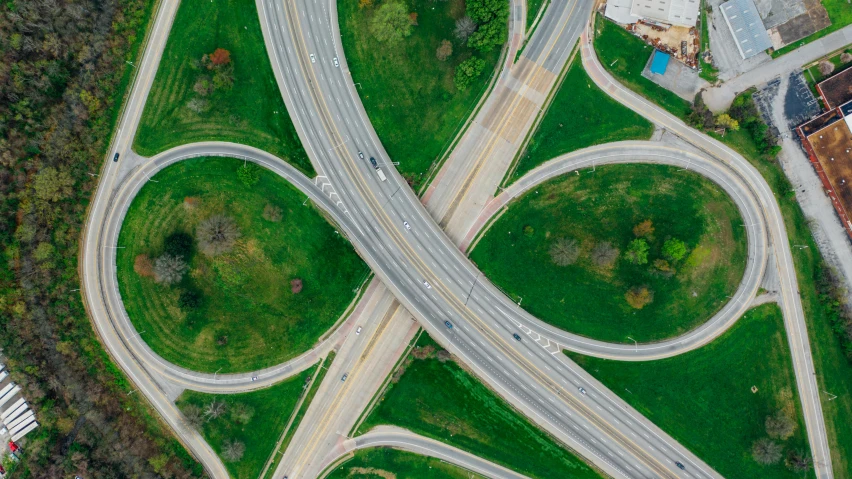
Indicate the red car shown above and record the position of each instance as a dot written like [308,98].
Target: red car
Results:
[12,446]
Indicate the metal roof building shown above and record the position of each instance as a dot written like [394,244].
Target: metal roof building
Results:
[744,21]
[675,12]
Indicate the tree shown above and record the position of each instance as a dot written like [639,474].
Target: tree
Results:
[192,415]
[391,23]
[663,265]
[766,451]
[639,297]
[444,51]
[365,3]
[637,251]
[44,251]
[178,243]
[241,413]
[189,299]
[52,185]
[197,105]
[169,269]
[644,229]
[272,213]
[143,266]
[203,86]
[604,254]
[826,67]
[492,17]
[799,461]
[249,174]
[232,451]
[725,121]
[564,251]
[674,249]
[296,285]
[412,18]
[846,57]
[220,56]
[464,28]
[780,425]
[217,234]
[223,79]
[214,409]
[528,230]
[467,71]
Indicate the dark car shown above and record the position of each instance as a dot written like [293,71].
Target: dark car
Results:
[373,162]
[448,324]
[515,335]
[344,377]
[115,158]
[680,465]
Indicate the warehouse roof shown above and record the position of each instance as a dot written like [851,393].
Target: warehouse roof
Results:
[744,21]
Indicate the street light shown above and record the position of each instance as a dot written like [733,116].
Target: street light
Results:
[635,344]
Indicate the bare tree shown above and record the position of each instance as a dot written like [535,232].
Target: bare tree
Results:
[766,451]
[242,413]
[799,461]
[216,235]
[826,67]
[846,57]
[169,269]
[272,213]
[197,105]
[564,251]
[604,254]
[445,50]
[192,414]
[214,409]
[464,28]
[232,451]
[780,425]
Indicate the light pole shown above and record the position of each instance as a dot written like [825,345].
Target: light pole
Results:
[635,344]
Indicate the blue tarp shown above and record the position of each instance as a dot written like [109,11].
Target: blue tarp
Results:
[659,62]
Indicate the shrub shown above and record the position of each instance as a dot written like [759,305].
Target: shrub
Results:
[674,249]
[644,229]
[296,286]
[143,266]
[189,299]
[467,71]
[528,231]
[444,50]
[639,297]
[637,251]
[249,174]
[179,244]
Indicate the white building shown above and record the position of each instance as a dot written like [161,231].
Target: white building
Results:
[682,13]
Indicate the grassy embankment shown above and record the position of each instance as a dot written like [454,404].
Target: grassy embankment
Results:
[254,419]
[624,56]
[834,371]
[840,15]
[704,400]
[438,399]
[708,71]
[382,463]
[407,92]
[251,111]
[567,123]
[589,298]
[247,317]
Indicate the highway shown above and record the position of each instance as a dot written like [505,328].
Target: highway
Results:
[791,303]
[421,267]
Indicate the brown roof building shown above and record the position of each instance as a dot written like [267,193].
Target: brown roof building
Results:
[837,89]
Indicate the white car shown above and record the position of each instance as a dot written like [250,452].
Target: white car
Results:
[407,226]
[336,63]
[313,58]
[254,378]
[582,391]
[428,286]
[358,331]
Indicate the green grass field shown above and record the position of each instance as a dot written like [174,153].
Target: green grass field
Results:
[565,127]
[605,206]
[442,401]
[385,463]
[408,94]
[840,14]
[834,372]
[252,112]
[270,410]
[703,398]
[246,293]
[624,56]
[533,7]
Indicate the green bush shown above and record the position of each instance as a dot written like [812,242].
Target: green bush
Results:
[467,71]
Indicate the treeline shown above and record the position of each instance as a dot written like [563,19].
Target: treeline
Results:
[742,114]
[62,71]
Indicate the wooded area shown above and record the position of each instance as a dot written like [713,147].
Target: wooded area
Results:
[63,72]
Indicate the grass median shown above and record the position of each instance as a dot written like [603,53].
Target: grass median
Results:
[247,422]
[565,127]
[286,279]
[432,396]
[705,398]
[565,251]
[197,96]
[387,463]
[409,94]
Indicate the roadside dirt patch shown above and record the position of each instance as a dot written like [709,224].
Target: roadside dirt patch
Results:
[372,470]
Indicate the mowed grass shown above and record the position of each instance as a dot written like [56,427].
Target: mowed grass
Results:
[624,56]
[703,398]
[252,112]
[408,94]
[386,463]
[442,401]
[605,205]
[270,410]
[246,292]
[533,8]
[579,116]
[840,14]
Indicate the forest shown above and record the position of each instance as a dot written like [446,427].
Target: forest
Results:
[65,68]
